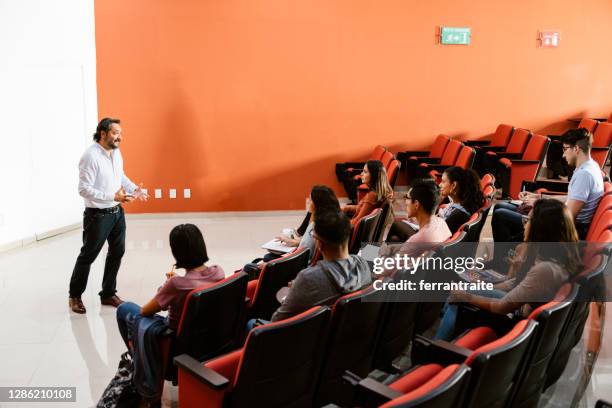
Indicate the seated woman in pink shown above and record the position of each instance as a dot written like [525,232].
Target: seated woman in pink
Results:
[189,251]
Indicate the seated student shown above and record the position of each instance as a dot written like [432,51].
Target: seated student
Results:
[421,203]
[322,198]
[189,251]
[462,187]
[379,191]
[584,192]
[374,176]
[537,272]
[336,275]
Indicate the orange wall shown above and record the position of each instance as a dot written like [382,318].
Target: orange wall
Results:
[250,102]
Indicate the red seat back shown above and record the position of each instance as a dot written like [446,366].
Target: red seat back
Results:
[604,206]
[275,275]
[392,172]
[437,148]
[386,159]
[535,148]
[601,143]
[487,179]
[378,152]
[502,136]
[588,124]
[518,141]
[352,338]
[451,152]
[265,356]
[465,159]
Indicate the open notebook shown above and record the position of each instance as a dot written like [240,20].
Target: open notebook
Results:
[277,246]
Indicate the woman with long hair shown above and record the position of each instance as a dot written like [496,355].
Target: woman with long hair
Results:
[322,198]
[374,176]
[547,258]
[462,188]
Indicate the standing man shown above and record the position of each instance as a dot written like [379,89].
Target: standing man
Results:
[103,186]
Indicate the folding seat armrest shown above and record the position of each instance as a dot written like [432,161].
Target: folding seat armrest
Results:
[438,167]
[470,316]
[544,191]
[425,351]
[496,149]
[511,156]
[408,153]
[524,162]
[353,164]
[198,371]
[476,143]
[600,148]
[429,160]
[367,391]
[550,186]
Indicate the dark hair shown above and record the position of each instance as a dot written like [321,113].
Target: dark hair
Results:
[551,221]
[104,126]
[427,193]
[468,184]
[580,137]
[332,227]
[188,247]
[324,198]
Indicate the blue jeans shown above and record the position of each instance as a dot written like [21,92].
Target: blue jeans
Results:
[251,324]
[507,223]
[450,311]
[124,311]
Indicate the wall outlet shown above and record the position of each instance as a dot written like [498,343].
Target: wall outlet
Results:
[187,193]
[158,193]
[172,193]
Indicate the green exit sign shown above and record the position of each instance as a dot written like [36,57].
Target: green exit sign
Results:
[455,35]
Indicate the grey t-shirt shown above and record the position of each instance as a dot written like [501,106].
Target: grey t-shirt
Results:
[323,284]
[586,185]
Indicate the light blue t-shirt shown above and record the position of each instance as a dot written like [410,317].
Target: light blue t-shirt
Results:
[586,185]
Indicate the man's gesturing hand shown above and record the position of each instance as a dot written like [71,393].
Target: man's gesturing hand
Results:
[122,197]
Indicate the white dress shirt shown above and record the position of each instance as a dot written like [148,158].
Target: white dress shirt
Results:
[101,176]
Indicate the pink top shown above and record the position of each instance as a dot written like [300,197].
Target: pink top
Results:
[171,296]
[426,238]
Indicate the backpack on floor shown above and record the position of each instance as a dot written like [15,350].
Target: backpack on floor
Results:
[121,392]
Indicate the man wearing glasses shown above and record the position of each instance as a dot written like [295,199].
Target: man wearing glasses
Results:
[584,191]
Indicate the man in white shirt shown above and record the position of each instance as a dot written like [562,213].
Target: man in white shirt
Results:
[103,186]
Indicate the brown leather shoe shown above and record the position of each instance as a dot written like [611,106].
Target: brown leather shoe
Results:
[113,301]
[76,305]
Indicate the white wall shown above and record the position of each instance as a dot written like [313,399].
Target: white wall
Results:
[48,112]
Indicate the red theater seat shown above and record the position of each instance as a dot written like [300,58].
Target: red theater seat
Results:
[513,172]
[275,275]
[278,366]
[202,334]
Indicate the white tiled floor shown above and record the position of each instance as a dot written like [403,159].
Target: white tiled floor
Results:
[43,344]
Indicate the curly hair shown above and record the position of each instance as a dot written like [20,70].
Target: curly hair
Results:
[468,184]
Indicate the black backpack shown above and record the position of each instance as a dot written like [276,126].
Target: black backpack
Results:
[121,392]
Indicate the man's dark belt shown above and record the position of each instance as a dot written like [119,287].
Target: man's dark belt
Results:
[110,210]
